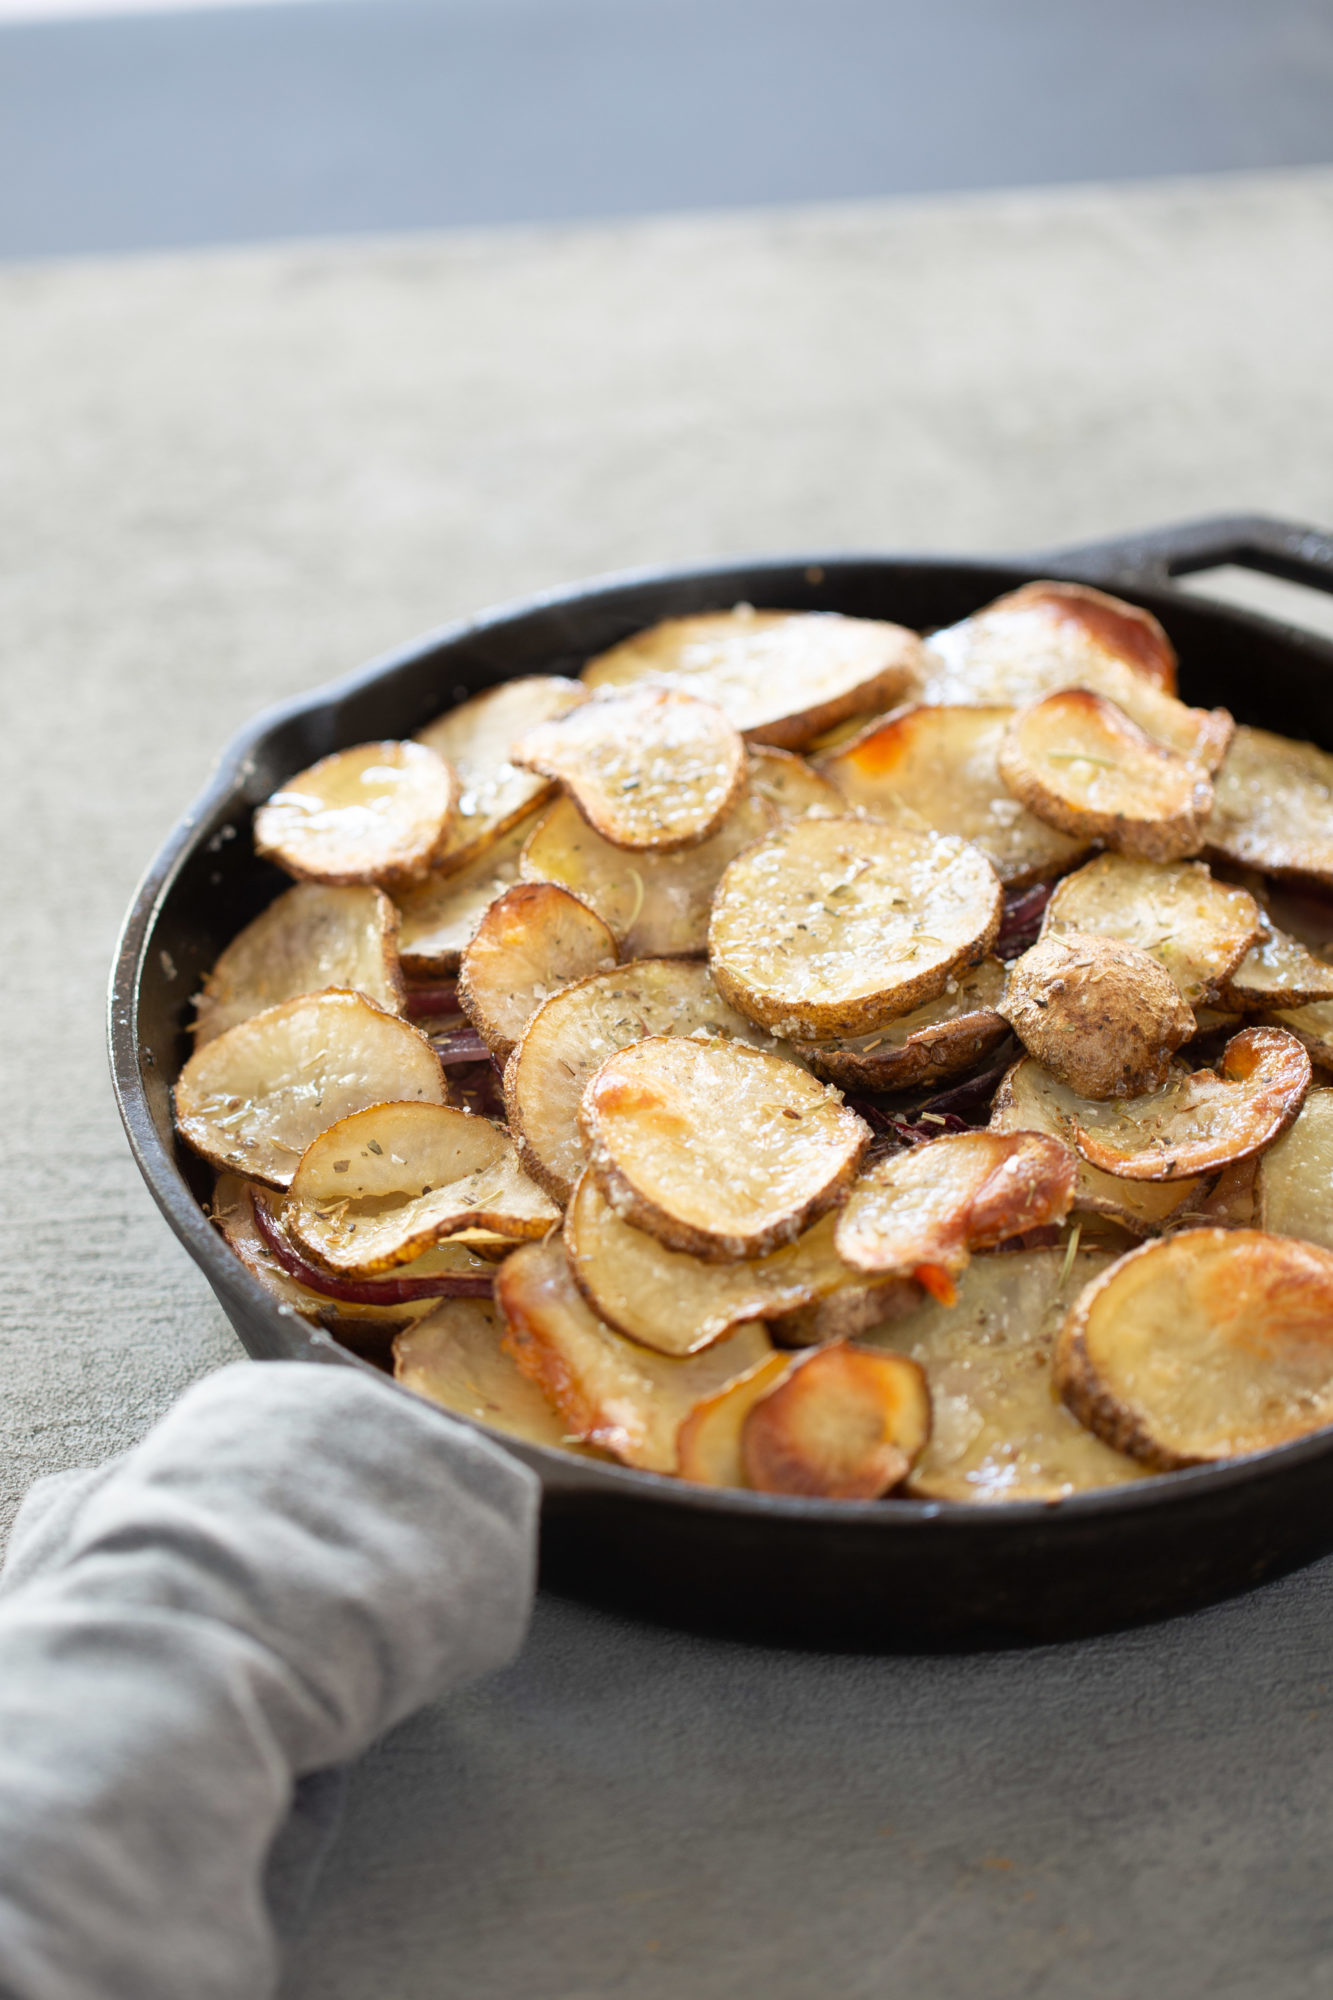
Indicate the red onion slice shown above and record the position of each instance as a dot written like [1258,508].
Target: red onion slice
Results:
[366,1291]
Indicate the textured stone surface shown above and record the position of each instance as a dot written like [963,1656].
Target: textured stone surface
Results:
[228,478]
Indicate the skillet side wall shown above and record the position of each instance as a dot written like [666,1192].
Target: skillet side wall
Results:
[901,1574]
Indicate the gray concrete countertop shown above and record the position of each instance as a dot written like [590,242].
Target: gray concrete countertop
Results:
[229,477]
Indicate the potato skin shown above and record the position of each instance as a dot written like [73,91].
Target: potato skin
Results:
[1102,1016]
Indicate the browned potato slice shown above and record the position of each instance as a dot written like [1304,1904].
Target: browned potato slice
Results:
[1080,762]
[454,1358]
[475,740]
[1102,1016]
[943,1038]
[782,677]
[709,1442]
[678,1303]
[657,905]
[378,813]
[999,1431]
[379,1187]
[309,939]
[1068,623]
[1278,971]
[1312,1026]
[834,926]
[1273,806]
[868,1301]
[1026,646]
[1031,1100]
[609,1391]
[573,1033]
[921,1213]
[715,1147]
[844,1423]
[253,1099]
[1199,929]
[1206,1345]
[651,769]
[532,941]
[941,764]
[793,788]
[439,915]
[1295,1177]
[1204,1120]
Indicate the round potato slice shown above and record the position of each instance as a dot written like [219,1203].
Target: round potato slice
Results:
[254,1098]
[835,926]
[678,1303]
[708,1445]
[1312,1026]
[793,788]
[1277,971]
[1080,762]
[656,904]
[715,1147]
[532,941]
[438,916]
[1030,1099]
[1102,1016]
[1202,1121]
[454,1358]
[475,740]
[1273,807]
[1199,929]
[942,1039]
[1212,1343]
[380,1187]
[378,813]
[1066,625]
[782,677]
[573,1033]
[651,768]
[844,1423]
[941,764]
[1295,1176]
[921,1213]
[309,939]
[609,1391]
[999,1431]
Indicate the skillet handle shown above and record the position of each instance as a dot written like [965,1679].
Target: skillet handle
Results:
[1149,560]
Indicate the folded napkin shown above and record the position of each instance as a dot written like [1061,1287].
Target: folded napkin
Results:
[195,1637]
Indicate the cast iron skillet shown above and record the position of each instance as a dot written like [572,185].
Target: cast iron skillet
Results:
[893,1574]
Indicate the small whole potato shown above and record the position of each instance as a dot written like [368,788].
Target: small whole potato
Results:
[1102,1016]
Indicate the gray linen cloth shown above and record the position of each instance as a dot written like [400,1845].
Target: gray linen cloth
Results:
[195,1637]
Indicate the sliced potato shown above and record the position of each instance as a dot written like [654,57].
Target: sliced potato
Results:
[1273,806]
[944,1038]
[999,1430]
[1074,622]
[253,1099]
[1199,929]
[439,915]
[1206,1345]
[309,939]
[783,677]
[457,1269]
[657,905]
[531,942]
[1312,1026]
[1277,971]
[678,1303]
[921,1213]
[1080,762]
[1022,648]
[941,765]
[1031,1100]
[454,1358]
[835,926]
[867,1300]
[572,1034]
[1102,1016]
[843,1423]
[378,1188]
[715,1147]
[793,788]
[609,1391]
[709,1441]
[232,1211]
[378,813]
[651,768]
[475,740]
[1294,1182]
[1204,1120]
